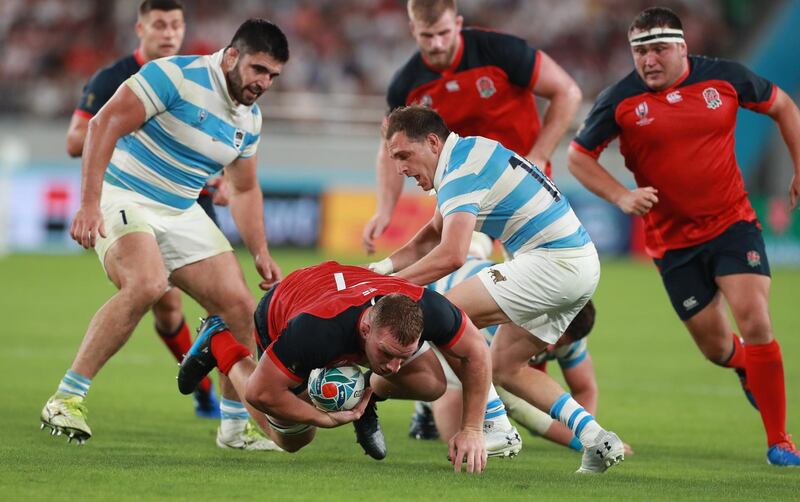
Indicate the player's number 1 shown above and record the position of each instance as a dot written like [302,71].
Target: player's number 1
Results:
[548,185]
[124,218]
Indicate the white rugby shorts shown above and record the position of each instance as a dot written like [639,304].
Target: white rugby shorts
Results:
[183,236]
[544,289]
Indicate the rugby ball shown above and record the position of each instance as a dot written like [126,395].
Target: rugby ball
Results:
[336,389]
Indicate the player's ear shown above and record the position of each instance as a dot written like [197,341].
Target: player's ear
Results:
[682,49]
[434,143]
[459,23]
[230,57]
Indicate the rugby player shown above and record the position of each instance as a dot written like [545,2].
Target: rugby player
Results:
[331,315]
[481,185]
[675,117]
[160,28]
[148,153]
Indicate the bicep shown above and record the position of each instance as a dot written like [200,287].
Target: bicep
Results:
[552,79]
[580,376]
[457,230]
[242,174]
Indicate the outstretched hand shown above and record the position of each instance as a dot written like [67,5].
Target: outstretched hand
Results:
[468,446]
[269,270]
[372,230]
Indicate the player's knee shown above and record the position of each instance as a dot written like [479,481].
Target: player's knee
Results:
[755,328]
[716,353]
[501,375]
[146,292]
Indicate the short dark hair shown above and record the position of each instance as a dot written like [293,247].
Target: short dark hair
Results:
[416,122]
[165,5]
[583,323]
[656,17]
[401,314]
[429,11]
[260,35]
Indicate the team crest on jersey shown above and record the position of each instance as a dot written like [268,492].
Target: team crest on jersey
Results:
[712,97]
[753,259]
[202,115]
[238,139]
[674,97]
[641,111]
[486,87]
[452,86]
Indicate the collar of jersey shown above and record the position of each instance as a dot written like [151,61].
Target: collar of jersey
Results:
[222,84]
[456,60]
[444,159]
[137,55]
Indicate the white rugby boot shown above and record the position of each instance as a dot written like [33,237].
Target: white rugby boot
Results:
[250,439]
[607,450]
[502,440]
[66,414]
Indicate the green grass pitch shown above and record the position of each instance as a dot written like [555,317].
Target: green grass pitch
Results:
[694,434]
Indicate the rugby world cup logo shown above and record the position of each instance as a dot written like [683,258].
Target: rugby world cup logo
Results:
[712,97]
[641,111]
[485,87]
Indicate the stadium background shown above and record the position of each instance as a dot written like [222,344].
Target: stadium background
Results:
[317,169]
[322,118]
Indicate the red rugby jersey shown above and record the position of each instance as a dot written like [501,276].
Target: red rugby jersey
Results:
[681,142]
[313,317]
[487,91]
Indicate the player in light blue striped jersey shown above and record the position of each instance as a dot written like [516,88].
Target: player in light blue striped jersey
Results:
[481,185]
[147,154]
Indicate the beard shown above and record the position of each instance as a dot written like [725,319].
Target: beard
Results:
[237,88]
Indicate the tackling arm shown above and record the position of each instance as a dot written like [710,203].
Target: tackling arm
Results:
[599,181]
[447,255]
[555,85]
[246,204]
[786,114]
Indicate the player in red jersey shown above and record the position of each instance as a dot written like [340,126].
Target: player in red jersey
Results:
[332,315]
[482,83]
[675,117]
[160,28]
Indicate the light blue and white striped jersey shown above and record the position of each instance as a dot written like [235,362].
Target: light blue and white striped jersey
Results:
[192,130]
[513,201]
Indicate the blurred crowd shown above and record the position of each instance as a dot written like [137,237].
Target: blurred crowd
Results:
[49,48]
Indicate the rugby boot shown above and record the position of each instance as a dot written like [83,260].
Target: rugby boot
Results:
[501,442]
[369,434]
[606,450]
[422,424]
[66,414]
[206,404]
[199,361]
[249,439]
[784,454]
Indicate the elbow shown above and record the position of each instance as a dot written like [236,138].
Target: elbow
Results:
[573,161]
[574,94]
[258,397]
[456,261]
[74,147]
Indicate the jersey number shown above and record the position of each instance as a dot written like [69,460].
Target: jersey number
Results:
[124,218]
[548,185]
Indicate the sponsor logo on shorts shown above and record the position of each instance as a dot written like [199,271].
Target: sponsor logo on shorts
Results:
[486,87]
[690,303]
[496,275]
[712,97]
[753,258]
